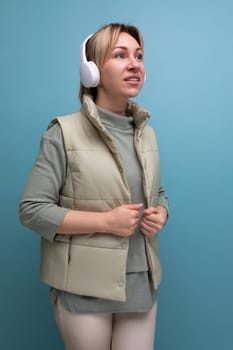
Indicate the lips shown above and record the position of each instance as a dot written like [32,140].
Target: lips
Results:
[132,78]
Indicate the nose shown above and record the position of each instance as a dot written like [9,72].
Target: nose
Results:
[133,63]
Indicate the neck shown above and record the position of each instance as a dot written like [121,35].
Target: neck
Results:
[111,105]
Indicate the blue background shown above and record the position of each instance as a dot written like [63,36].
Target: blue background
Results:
[189,89]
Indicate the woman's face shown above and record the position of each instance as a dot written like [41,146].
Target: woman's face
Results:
[122,74]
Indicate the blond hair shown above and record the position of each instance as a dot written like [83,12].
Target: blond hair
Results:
[100,44]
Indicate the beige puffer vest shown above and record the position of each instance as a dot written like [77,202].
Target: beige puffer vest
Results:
[95,264]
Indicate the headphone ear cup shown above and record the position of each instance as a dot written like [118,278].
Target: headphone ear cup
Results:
[89,74]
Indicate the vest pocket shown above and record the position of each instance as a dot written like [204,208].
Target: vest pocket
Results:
[97,272]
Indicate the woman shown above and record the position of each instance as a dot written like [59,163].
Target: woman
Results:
[95,197]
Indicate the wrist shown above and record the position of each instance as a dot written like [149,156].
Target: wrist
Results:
[163,211]
[107,221]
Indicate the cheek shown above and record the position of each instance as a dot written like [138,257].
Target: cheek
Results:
[111,70]
[109,76]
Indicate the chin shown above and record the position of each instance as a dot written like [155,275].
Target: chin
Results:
[133,93]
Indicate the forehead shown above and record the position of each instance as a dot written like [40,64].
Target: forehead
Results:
[126,40]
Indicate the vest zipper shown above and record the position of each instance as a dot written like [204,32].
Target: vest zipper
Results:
[137,143]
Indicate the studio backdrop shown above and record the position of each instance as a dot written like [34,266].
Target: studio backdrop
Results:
[189,91]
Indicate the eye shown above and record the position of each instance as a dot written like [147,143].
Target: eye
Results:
[119,55]
[139,56]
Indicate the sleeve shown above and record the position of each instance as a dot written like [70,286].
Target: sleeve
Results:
[38,208]
[162,196]
[163,199]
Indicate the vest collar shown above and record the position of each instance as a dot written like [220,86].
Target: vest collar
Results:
[140,115]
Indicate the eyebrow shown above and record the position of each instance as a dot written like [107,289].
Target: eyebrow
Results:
[125,48]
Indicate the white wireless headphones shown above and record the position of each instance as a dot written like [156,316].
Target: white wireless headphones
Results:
[89,72]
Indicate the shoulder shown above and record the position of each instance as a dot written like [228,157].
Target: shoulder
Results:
[68,119]
[149,132]
[52,143]
[149,138]
[53,131]
[59,123]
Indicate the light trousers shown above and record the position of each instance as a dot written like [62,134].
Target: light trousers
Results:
[106,331]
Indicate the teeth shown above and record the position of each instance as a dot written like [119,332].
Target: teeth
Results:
[133,79]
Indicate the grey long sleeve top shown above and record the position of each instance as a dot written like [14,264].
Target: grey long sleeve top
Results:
[38,209]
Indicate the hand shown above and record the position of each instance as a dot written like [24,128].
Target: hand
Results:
[153,221]
[123,220]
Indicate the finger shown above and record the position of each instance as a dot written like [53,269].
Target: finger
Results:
[134,206]
[151,210]
[158,219]
[149,230]
[148,223]
[152,217]
[148,233]
[152,226]
[152,223]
